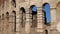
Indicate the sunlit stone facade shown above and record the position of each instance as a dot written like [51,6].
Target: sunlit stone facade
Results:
[16,17]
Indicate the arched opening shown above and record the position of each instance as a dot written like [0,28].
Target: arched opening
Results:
[6,22]
[2,16]
[23,14]
[58,12]
[7,15]
[14,20]
[46,31]
[46,11]
[13,3]
[33,9]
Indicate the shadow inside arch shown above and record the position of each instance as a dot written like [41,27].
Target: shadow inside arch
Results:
[46,31]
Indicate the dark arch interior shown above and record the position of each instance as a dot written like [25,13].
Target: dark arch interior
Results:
[22,9]
[14,15]
[23,16]
[14,1]
[46,31]
[2,16]
[14,12]
[7,13]
[33,12]
[58,3]
[34,16]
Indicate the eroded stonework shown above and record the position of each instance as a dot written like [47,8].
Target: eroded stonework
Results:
[16,17]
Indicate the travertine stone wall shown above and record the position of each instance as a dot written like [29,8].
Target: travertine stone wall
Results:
[10,24]
[18,22]
[39,20]
[28,21]
[7,26]
[53,19]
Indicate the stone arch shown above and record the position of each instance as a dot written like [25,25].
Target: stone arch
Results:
[46,13]
[7,22]
[23,16]
[22,9]
[57,4]
[2,16]
[7,15]
[46,31]
[45,4]
[33,10]
[58,12]
[13,3]
[14,20]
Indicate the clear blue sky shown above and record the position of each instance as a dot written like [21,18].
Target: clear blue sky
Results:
[46,9]
[34,8]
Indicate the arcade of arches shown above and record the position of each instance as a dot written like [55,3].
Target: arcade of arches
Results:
[34,20]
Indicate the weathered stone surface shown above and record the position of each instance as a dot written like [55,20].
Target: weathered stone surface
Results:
[33,24]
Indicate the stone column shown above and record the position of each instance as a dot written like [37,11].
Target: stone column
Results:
[39,20]
[53,18]
[10,24]
[28,21]
[7,19]
[20,19]
[6,24]
[1,20]
[18,23]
